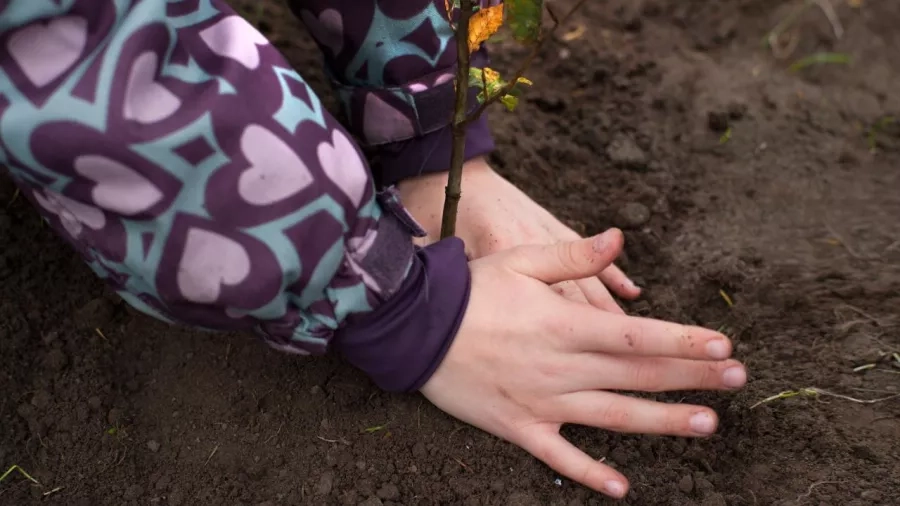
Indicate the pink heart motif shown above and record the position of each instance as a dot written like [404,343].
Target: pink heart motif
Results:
[327,28]
[235,38]
[359,248]
[209,261]
[276,172]
[147,101]
[45,52]
[73,215]
[425,85]
[118,188]
[342,164]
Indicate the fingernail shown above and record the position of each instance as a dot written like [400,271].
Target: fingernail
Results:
[601,242]
[615,488]
[631,284]
[703,423]
[734,377]
[717,349]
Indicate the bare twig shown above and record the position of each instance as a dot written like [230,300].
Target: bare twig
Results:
[273,436]
[552,15]
[854,399]
[832,16]
[333,441]
[51,492]
[211,455]
[877,321]
[772,38]
[463,464]
[816,392]
[774,35]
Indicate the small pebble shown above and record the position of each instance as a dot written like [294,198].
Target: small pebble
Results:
[633,215]
[133,492]
[714,499]
[176,498]
[872,495]
[703,485]
[522,499]
[326,483]
[389,492]
[56,360]
[153,446]
[41,399]
[686,484]
[95,403]
[625,153]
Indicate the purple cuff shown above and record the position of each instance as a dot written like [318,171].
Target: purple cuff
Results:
[430,153]
[403,342]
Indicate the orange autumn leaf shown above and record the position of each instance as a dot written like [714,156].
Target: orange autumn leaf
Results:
[483,24]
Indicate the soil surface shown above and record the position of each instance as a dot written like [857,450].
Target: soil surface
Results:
[668,118]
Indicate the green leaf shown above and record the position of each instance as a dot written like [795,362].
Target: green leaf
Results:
[820,58]
[509,101]
[524,19]
[475,78]
[723,140]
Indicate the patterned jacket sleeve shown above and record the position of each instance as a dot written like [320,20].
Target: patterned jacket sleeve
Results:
[392,64]
[199,175]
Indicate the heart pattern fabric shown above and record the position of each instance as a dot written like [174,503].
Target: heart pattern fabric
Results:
[163,141]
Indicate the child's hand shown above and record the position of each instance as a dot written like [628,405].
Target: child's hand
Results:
[494,216]
[525,361]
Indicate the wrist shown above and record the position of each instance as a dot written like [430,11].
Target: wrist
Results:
[402,343]
[414,184]
[424,195]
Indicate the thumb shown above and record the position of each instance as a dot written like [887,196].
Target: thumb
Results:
[568,260]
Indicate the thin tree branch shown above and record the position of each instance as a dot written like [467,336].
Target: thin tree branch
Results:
[453,190]
[525,65]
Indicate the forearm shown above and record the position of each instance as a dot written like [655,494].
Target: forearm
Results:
[392,64]
[176,150]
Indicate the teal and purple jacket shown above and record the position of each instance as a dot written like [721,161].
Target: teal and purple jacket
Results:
[171,144]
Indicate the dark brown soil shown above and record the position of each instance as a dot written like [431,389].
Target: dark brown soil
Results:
[791,214]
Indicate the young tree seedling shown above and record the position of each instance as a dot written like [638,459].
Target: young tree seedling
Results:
[473,25]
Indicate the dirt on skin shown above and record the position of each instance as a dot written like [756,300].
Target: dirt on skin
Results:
[667,118]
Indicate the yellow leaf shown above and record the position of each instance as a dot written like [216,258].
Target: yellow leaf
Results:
[490,75]
[576,33]
[483,24]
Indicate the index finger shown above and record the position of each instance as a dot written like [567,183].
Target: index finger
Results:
[604,332]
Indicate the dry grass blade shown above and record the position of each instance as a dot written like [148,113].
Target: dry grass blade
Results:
[14,468]
[816,392]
